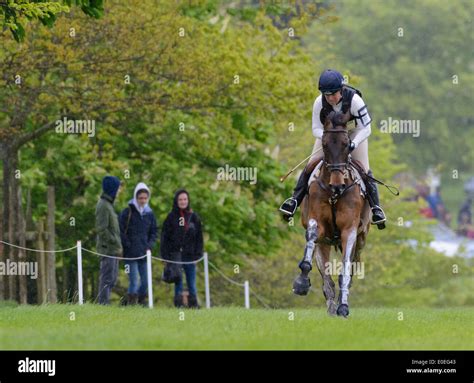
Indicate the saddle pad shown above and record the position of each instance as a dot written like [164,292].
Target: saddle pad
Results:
[353,173]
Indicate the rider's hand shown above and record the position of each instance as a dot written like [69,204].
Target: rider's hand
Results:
[352,146]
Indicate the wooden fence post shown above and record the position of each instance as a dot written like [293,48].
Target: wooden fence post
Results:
[51,244]
[42,277]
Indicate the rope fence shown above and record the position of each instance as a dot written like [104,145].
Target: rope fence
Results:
[36,250]
[109,256]
[149,258]
[246,286]
[178,262]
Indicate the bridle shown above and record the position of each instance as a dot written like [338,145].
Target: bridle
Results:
[341,166]
[334,197]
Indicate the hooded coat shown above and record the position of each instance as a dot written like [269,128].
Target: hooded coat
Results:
[106,222]
[182,232]
[138,227]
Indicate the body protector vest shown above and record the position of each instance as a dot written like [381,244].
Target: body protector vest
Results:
[347,94]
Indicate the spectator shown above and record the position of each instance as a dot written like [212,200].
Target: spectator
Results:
[182,238]
[438,207]
[108,237]
[138,230]
[465,227]
[465,212]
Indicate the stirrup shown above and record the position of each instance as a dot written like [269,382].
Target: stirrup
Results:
[380,221]
[289,206]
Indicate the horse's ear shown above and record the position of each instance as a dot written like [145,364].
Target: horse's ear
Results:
[328,121]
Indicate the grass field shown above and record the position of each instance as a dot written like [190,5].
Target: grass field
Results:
[95,327]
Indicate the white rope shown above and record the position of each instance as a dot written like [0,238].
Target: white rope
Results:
[226,277]
[39,251]
[144,256]
[259,298]
[180,263]
[114,257]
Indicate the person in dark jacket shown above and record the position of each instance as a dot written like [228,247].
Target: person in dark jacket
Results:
[138,230]
[108,237]
[182,233]
[465,213]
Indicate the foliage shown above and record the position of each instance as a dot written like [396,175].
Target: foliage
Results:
[169,112]
[17,13]
[414,62]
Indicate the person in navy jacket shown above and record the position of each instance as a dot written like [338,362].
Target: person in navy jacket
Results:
[139,231]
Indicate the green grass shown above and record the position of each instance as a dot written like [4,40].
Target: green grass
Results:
[96,327]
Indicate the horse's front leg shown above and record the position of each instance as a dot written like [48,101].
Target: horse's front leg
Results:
[302,283]
[349,238]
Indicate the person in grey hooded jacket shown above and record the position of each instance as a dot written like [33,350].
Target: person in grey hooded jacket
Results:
[138,230]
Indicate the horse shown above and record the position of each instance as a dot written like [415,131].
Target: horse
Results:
[334,213]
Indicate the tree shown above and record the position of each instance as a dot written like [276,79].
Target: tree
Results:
[16,13]
[415,63]
[170,111]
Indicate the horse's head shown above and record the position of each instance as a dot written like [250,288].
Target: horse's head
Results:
[336,142]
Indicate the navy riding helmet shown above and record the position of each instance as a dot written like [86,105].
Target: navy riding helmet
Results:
[330,81]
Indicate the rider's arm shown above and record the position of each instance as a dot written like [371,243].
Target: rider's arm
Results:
[360,112]
[318,127]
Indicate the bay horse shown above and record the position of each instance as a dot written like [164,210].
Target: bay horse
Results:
[334,213]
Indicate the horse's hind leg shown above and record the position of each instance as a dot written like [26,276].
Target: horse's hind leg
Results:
[329,288]
[302,283]
[360,244]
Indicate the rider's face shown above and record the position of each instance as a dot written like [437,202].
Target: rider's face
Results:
[334,98]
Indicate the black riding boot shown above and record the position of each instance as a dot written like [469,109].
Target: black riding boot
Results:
[288,208]
[378,215]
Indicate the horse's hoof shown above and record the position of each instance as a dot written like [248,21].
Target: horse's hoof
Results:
[301,285]
[332,308]
[343,310]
